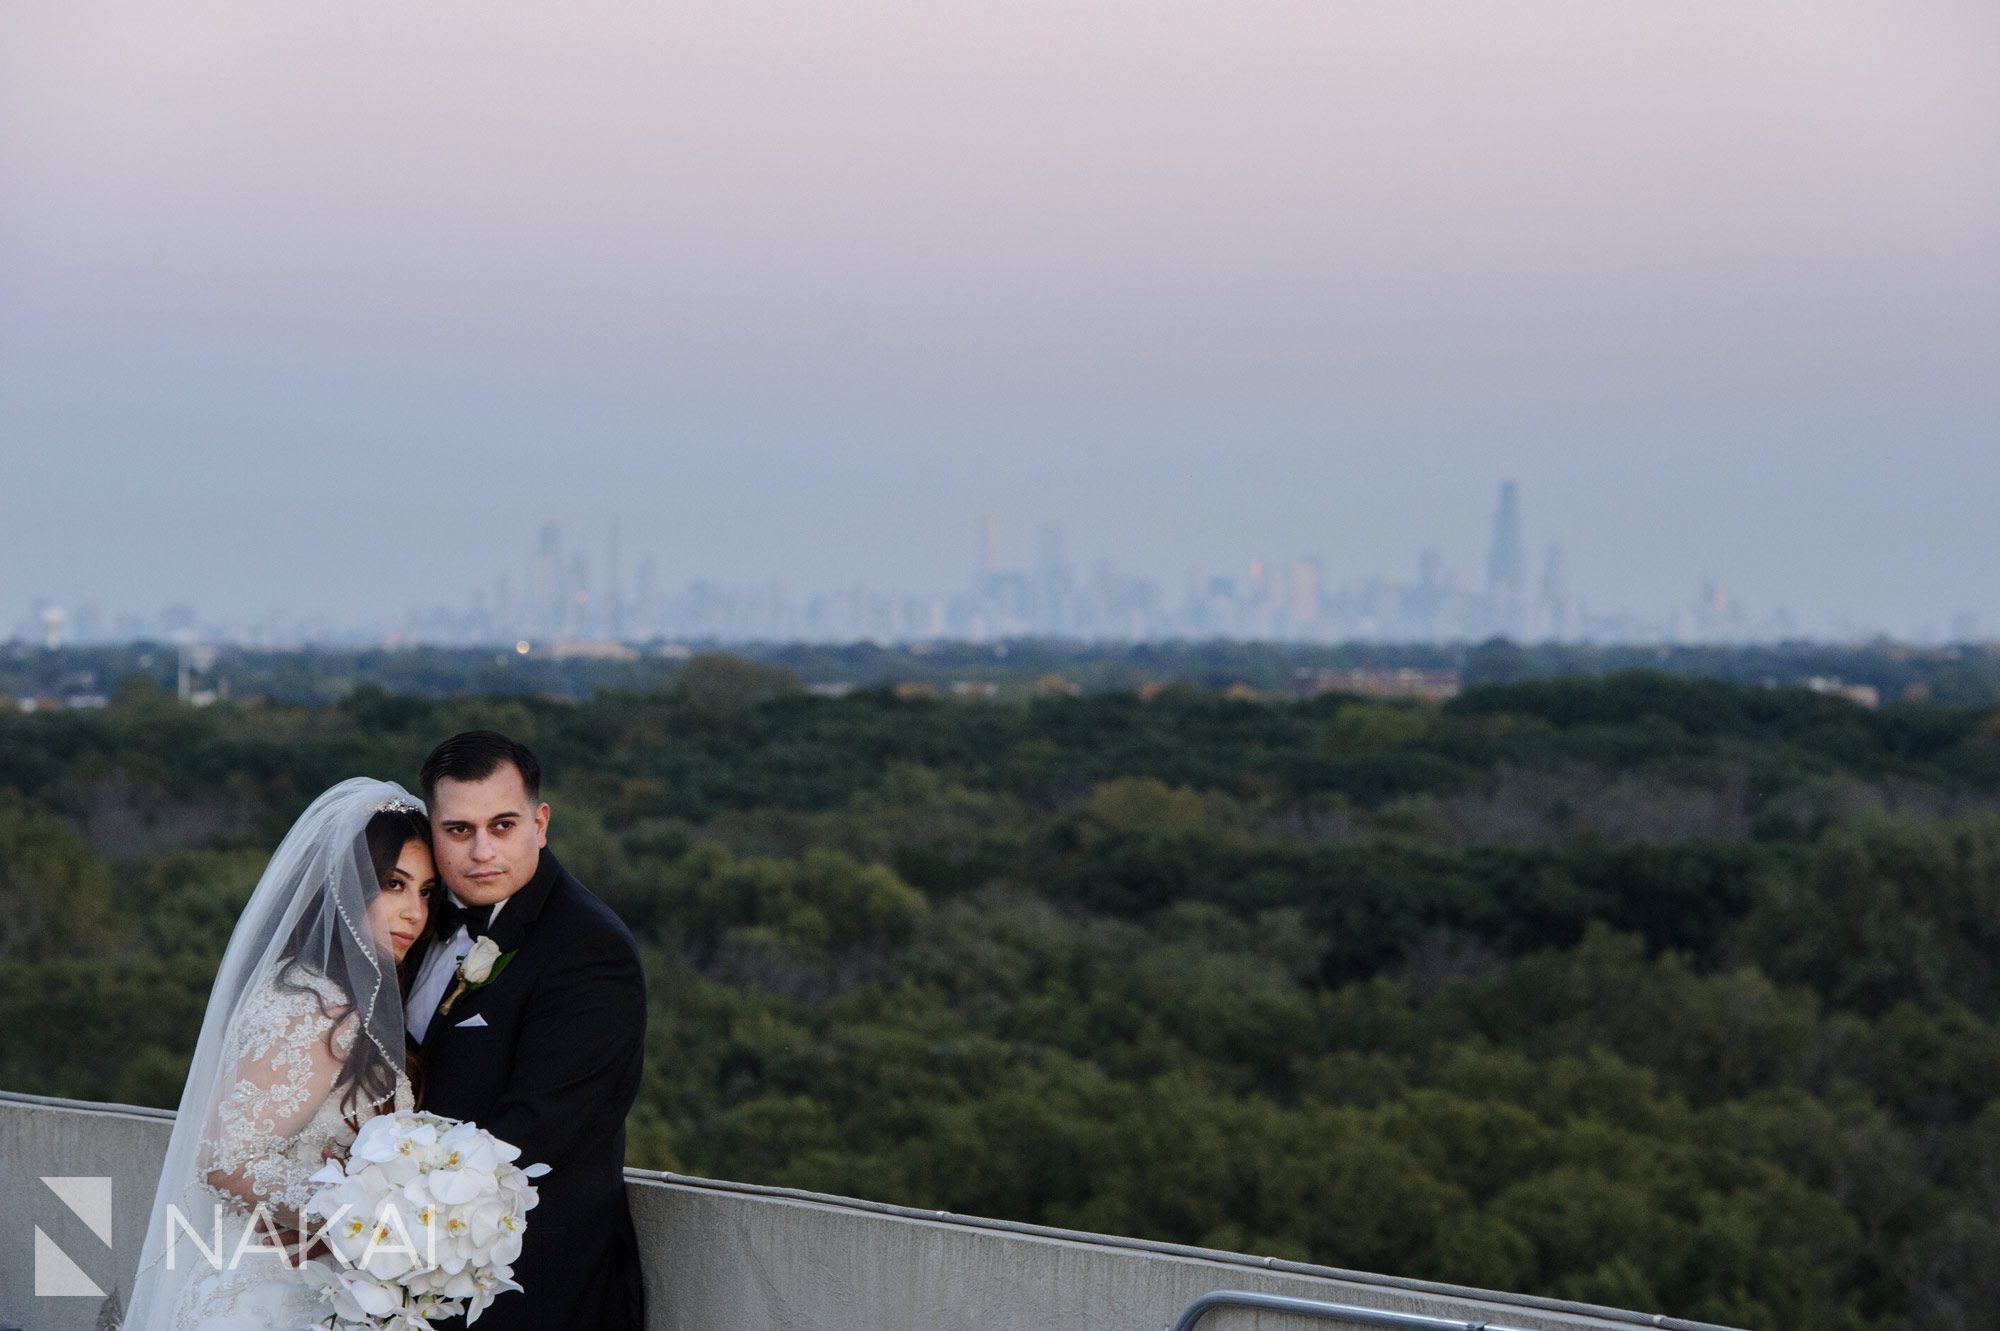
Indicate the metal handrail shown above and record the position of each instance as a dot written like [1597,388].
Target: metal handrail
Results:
[1277,1303]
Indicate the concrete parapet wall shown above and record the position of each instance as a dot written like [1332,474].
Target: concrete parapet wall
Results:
[734,1257]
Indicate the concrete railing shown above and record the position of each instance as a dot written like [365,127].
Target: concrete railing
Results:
[736,1257]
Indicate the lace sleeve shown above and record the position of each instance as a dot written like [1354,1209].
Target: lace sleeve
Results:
[289,1053]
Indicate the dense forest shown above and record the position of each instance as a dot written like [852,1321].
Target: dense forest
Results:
[1674,994]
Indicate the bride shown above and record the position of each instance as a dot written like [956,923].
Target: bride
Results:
[303,1041]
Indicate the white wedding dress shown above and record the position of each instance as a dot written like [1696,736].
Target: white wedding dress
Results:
[274,1126]
[303,980]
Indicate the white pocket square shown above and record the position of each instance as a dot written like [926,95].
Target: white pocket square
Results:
[474,1020]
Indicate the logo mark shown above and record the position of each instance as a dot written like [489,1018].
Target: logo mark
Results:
[57,1276]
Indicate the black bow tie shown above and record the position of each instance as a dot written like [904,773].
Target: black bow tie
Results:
[473,919]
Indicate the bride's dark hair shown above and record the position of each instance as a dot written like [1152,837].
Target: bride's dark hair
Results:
[368,1076]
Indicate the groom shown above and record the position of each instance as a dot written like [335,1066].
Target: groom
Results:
[545,1052]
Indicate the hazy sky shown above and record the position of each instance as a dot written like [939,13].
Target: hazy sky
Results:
[331,304]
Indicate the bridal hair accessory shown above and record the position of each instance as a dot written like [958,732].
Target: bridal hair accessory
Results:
[395,806]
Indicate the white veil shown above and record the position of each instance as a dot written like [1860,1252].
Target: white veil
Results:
[304,931]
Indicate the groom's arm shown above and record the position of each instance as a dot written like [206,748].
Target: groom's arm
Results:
[576,1054]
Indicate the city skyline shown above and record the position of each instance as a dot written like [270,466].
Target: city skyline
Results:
[566,591]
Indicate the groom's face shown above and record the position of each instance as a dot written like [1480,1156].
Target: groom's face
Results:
[488,835]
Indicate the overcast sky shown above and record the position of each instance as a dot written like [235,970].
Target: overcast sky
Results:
[331,304]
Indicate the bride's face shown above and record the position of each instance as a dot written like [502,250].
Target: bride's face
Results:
[400,910]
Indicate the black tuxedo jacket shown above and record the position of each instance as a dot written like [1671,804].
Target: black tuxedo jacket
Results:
[552,1065]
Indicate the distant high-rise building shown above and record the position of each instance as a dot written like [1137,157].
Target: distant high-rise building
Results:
[1507,569]
[1423,610]
[645,594]
[1051,585]
[1051,550]
[577,610]
[1555,611]
[614,590]
[1305,596]
[545,597]
[1430,569]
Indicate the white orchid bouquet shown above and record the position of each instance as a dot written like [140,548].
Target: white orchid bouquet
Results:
[424,1220]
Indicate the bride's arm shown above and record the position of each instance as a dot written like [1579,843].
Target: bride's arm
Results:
[292,1057]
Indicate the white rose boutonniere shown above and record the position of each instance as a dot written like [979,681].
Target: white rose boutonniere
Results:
[479,968]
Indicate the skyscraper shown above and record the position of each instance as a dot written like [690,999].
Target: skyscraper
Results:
[1303,607]
[1051,550]
[1050,585]
[1555,611]
[614,590]
[545,583]
[1507,570]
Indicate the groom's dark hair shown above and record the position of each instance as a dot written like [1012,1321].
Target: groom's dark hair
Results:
[475,755]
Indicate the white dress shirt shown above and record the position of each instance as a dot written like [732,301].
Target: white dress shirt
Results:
[434,976]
